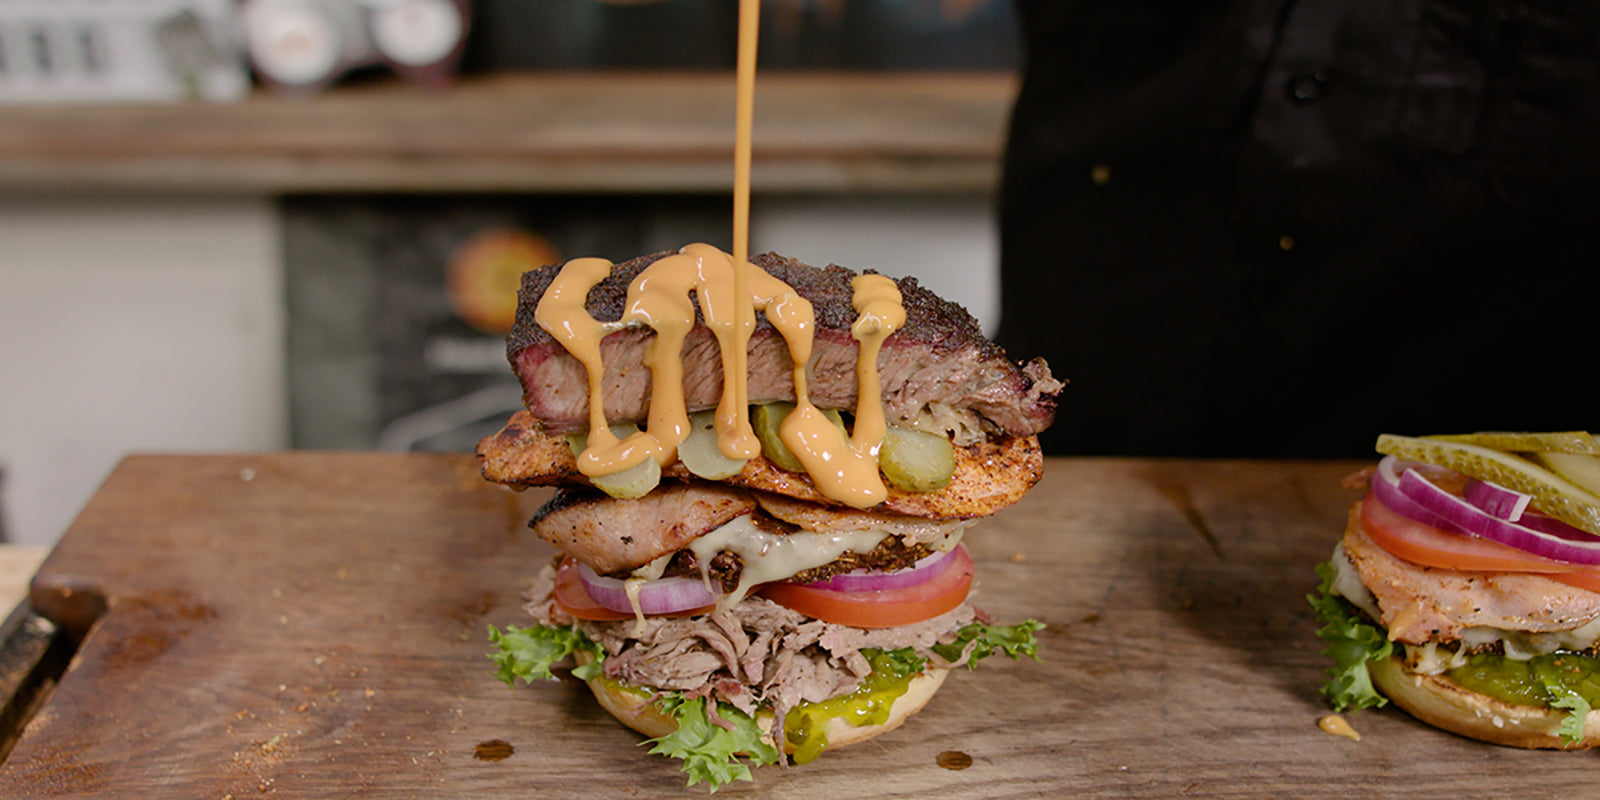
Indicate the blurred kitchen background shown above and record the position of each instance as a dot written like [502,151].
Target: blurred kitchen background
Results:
[237,226]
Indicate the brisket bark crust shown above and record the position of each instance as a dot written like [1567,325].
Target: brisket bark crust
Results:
[938,371]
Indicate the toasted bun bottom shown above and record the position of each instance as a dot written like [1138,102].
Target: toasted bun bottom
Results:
[1445,704]
[637,712]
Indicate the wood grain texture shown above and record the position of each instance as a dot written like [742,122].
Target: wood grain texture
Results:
[533,132]
[317,630]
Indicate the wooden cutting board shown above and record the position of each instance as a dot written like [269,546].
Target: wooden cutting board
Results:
[313,625]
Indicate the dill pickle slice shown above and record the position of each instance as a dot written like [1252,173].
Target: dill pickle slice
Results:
[701,453]
[634,482]
[916,461]
[767,420]
[1517,442]
[1579,468]
[1551,493]
[579,442]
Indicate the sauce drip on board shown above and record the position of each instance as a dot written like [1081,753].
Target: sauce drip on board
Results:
[729,291]
[1336,725]
[954,759]
[493,750]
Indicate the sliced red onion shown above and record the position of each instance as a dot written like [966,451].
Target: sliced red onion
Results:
[1464,517]
[660,596]
[1497,500]
[862,580]
[1555,527]
[1386,487]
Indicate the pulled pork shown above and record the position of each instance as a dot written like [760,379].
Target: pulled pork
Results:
[756,654]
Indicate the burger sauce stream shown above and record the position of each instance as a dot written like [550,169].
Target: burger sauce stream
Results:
[729,291]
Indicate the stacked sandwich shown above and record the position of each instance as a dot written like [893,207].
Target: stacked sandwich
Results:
[1466,588]
[758,566]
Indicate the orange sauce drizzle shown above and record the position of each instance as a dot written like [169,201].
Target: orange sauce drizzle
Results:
[730,291]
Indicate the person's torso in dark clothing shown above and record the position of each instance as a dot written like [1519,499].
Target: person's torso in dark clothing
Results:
[1282,228]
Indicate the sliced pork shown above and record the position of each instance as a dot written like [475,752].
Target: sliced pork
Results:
[829,519]
[1425,604]
[612,535]
[615,536]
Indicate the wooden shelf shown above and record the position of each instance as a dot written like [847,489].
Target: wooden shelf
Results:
[529,133]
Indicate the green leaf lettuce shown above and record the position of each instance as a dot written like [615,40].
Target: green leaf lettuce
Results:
[1353,642]
[529,653]
[1562,696]
[710,752]
[1014,640]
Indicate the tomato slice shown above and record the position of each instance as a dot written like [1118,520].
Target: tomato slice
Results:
[882,608]
[1588,578]
[1431,547]
[571,596]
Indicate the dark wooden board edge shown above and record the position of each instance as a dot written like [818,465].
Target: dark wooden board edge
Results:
[33,654]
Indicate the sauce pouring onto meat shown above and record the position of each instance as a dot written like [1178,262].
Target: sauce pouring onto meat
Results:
[729,291]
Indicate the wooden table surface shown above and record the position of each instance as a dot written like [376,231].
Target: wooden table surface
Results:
[313,625]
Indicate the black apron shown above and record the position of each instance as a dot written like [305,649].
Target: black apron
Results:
[1278,229]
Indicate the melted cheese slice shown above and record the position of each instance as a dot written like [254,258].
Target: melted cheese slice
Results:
[771,557]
